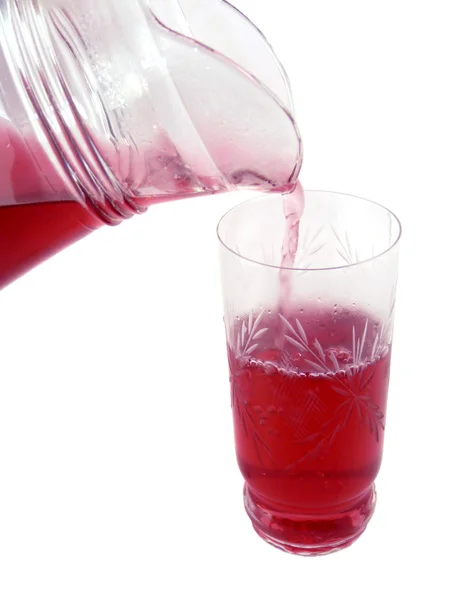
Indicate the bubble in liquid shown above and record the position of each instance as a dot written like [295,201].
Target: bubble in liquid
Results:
[270,368]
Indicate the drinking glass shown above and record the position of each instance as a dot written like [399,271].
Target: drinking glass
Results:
[309,352]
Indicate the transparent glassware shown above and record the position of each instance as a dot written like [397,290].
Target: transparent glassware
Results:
[116,105]
[309,358]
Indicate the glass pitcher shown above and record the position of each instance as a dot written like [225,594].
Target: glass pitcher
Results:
[107,107]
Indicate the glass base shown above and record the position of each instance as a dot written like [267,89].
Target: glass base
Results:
[310,535]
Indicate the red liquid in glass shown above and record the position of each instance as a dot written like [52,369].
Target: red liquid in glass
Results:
[309,418]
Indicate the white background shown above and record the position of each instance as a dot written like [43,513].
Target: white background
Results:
[117,471]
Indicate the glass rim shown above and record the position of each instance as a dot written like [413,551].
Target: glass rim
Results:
[318,269]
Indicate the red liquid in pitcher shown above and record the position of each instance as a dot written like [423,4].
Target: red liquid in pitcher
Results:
[309,418]
[31,233]
[32,228]
[37,219]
